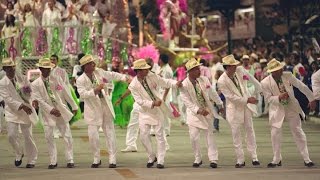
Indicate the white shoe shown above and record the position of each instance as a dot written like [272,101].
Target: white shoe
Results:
[56,136]
[129,149]
[100,129]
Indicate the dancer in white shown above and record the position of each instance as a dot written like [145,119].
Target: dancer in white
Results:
[278,92]
[51,93]
[240,106]
[16,92]
[197,94]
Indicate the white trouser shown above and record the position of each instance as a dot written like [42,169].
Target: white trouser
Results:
[250,137]
[146,141]
[194,133]
[167,125]
[182,110]
[133,128]
[15,141]
[64,128]
[259,105]
[2,120]
[297,133]
[109,133]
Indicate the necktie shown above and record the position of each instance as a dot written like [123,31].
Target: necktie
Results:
[236,83]
[199,94]
[147,88]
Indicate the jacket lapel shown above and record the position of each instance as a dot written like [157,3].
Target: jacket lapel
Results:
[231,85]
[274,87]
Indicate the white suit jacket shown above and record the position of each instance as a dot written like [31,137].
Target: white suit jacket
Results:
[92,103]
[271,94]
[62,95]
[13,100]
[315,79]
[148,115]
[58,71]
[235,102]
[189,98]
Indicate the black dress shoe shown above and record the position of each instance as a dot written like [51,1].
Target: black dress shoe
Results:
[149,165]
[213,165]
[112,165]
[70,165]
[96,165]
[53,166]
[309,164]
[30,166]
[160,166]
[273,165]
[196,165]
[18,163]
[238,165]
[256,163]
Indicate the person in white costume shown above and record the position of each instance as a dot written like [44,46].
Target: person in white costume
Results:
[278,92]
[240,106]
[2,104]
[198,96]
[16,92]
[315,81]
[144,88]
[50,92]
[98,109]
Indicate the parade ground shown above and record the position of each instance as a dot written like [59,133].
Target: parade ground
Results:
[178,160]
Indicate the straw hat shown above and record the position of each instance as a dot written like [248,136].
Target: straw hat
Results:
[8,62]
[263,61]
[192,63]
[86,59]
[274,65]
[254,56]
[140,64]
[230,60]
[245,57]
[45,63]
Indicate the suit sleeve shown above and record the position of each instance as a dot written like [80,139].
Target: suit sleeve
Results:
[302,87]
[12,103]
[83,92]
[252,79]
[67,96]
[110,76]
[315,79]
[139,99]
[39,97]
[213,95]
[185,97]
[165,83]
[231,95]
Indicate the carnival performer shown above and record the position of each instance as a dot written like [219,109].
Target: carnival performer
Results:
[144,88]
[198,96]
[278,92]
[16,93]
[98,109]
[51,93]
[240,106]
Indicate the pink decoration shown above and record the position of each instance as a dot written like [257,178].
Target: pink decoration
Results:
[206,56]
[148,51]
[208,86]
[26,89]
[245,77]
[100,49]
[59,87]
[41,43]
[12,50]
[181,73]
[175,111]
[71,43]
[104,80]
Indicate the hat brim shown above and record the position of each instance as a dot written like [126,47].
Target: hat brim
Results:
[194,67]
[8,65]
[92,60]
[275,69]
[232,64]
[47,67]
[147,66]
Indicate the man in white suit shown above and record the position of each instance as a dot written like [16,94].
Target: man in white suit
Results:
[16,92]
[144,88]
[278,92]
[50,92]
[198,96]
[98,109]
[240,106]
[315,81]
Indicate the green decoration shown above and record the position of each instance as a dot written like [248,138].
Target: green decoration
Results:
[26,44]
[56,44]
[108,49]
[124,53]
[86,42]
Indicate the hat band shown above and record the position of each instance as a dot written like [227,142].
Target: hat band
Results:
[45,64]
[274,66]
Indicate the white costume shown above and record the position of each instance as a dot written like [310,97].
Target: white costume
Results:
[315,81]
[98,112]
[149,116]
[290,112]
[238,111]
[14,95]
[132,129]
[42,89]
[198,122]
